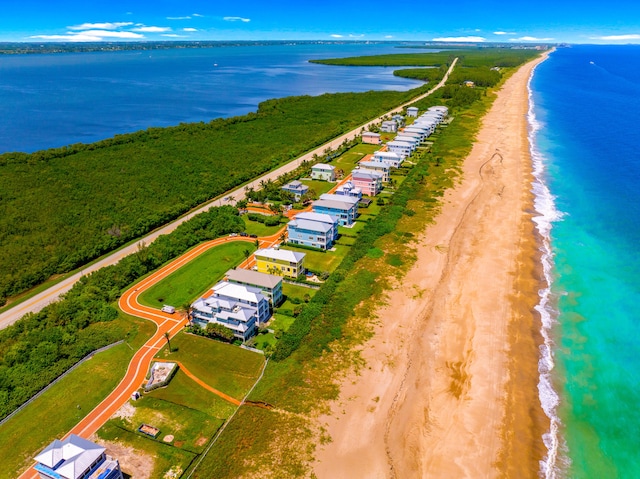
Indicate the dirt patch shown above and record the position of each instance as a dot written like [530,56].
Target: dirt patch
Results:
[134,462]
[126,412]
[178,443]
[201,441]
[168,438]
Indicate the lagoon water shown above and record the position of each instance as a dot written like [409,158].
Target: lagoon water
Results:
[58,99]
[585,128]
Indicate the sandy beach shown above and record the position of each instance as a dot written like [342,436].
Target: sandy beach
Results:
[449,389]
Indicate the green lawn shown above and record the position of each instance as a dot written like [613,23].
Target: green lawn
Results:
[319,262]
[227,368]
[193,279]
[319,186]
[54,413]
[281,322]
[354,230]
[165,456]
[256,228]
[351,158]
[295,291]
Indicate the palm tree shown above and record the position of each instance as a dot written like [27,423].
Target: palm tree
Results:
[168,338]
[283,237]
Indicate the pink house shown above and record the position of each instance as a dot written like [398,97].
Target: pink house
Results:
[370,182]
[371,138]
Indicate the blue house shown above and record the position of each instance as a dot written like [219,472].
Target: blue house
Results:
[313,229]
[296,188]
[345,208]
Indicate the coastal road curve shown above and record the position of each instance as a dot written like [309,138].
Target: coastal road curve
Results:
[165,323]
[52,294]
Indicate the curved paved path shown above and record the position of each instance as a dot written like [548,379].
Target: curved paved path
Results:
[39,301]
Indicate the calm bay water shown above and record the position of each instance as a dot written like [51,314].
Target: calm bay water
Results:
[585,122]
[55,100]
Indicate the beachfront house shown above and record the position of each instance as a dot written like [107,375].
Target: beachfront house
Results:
[370,182]
[413,141]
[349,189]
[269,285]
[378,166]
[371,138]
[417,135]
[323,172]
[344,208]
[392,159]
[389,126]
[76,458]
[313,229]
[281,262]
[296,188]
[236,307]
[399,119]
[401,148]
[423,129]
[412,111]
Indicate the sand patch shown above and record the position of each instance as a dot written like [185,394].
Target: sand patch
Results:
[137,464]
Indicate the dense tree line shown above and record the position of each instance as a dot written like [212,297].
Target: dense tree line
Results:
[63,207]
[481,76]
[41,346]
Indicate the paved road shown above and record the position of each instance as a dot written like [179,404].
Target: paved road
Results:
[52,294]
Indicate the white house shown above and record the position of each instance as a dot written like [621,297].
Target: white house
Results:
[322,171]
[401,148]
[236,307]
[414,142]
[419,136]
[412,111]
[392,159]
[389,126]
[371,138]
[349,189]
[378,166]
[76,458]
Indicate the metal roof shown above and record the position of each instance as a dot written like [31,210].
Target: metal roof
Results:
[264,280]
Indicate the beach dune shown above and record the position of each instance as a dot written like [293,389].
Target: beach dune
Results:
[449,389]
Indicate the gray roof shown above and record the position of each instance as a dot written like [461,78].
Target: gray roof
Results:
[323,167]
[310,225]
[71,457]
[398,143]
[367,175]
[329,196]
[376,165]
[253,277]
[321,217]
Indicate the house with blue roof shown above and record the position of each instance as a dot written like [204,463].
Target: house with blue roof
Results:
[344,208]
[316,230]
[296,188]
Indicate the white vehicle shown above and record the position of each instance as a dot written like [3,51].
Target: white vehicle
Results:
[168,309]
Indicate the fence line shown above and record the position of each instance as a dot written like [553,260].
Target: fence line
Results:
[42,391]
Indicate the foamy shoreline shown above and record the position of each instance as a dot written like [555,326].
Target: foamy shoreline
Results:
[450,387]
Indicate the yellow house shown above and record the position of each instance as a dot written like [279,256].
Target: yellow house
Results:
[280,261]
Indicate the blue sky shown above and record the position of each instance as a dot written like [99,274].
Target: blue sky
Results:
[587,21]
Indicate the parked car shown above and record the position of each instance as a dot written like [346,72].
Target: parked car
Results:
[233,234]
[253,236]
[168,309]
[244,234]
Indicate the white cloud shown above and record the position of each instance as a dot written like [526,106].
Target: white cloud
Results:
[617,38]
[351,35]
[189,29]
[108,34]
[78,37]
[196,15]
[172,35]
[335,35]
[388,36]
[152,29]
[504,33]
[179,18]
[100,26]
[460,39]
[530,39]
[236,19]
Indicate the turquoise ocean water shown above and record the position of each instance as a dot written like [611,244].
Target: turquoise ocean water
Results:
[585,131]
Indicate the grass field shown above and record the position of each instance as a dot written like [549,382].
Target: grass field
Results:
[319,186]
[351,158]
[224,367]
[194,278]
[256,228]
[54,413]
[319,262]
